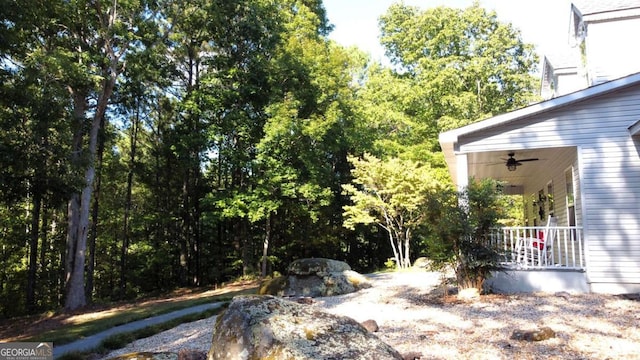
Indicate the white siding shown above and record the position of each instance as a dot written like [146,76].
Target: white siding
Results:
[610,54]
[593,136]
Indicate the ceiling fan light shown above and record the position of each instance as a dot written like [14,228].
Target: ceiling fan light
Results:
[512,167]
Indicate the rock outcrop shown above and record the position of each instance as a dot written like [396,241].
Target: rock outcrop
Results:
[269,327]
[315,277]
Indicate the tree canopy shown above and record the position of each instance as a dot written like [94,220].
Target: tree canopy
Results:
[468,64]
[149,145]
[394,194]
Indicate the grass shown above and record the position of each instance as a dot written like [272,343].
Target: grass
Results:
[67,334]
[76,330]
[121,340]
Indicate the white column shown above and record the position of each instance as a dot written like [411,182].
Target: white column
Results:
[462,171]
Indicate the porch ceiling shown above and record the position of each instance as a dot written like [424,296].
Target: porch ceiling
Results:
[491,164]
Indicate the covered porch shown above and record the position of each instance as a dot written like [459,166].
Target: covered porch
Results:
[541,247]
[545,249]
[533,263]
[575,157]
[550,232]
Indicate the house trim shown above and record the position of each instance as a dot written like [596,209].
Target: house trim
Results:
[545,106]
[449,139]
[584,201]
[634,129]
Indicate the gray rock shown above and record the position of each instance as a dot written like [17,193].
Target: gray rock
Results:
[268,327]
[314,279]
[316,266]
[423,263]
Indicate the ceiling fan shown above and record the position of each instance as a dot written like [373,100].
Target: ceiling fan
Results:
[512,164]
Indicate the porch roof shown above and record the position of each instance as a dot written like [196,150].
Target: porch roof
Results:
[450,140]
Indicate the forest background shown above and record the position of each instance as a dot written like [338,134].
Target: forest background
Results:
[152,144]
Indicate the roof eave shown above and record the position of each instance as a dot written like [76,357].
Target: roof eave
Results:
[452,136]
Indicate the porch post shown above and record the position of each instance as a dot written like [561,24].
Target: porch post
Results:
[462,171]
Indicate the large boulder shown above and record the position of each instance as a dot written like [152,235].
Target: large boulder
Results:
[317,266]
[268,327]
[315,278]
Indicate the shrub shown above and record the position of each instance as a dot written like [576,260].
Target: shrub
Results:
[461,228]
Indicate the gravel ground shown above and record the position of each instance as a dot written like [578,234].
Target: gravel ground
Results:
[414,317]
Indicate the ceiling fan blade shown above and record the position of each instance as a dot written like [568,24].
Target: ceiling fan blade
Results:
[530,159]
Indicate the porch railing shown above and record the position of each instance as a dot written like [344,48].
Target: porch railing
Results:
[525,247]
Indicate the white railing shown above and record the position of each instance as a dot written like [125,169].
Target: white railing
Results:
[525,247]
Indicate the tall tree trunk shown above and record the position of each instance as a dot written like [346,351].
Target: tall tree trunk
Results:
[46,282]
[44,236]
[33,248]
[196,235]
[91,264]
[392,242]
[73,300]
[133,143]
[265,246]
[77,238]
[80,203]
[247,253]
[407,248]
[237,238]
[185,233]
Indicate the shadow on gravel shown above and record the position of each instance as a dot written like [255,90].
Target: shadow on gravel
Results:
[601,319]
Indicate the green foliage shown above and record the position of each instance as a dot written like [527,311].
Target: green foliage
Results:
[513,206]
[228,131]
[390,263]
[462,231]
[466,64]
[394,195]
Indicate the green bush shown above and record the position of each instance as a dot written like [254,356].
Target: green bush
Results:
[461,224]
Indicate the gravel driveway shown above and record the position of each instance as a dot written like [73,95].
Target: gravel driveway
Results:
[414,317]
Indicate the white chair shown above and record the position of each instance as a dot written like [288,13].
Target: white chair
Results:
[538,251]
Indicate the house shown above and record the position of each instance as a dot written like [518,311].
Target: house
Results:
[601,47]
[575,157]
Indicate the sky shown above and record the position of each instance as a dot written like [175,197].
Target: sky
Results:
[543,23]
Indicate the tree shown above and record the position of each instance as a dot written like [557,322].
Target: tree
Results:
[398,120]
[291,158]
[394,194]
[461,231]
[101,34]
[35,175]
[466,63]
